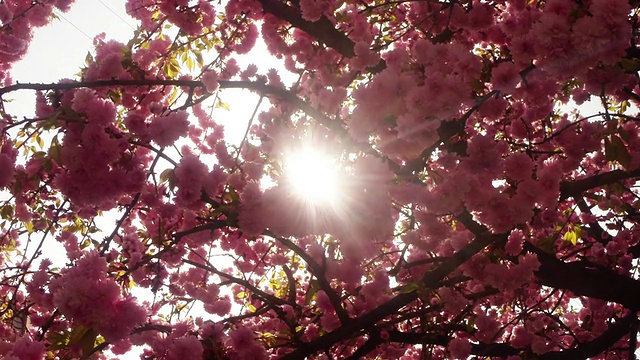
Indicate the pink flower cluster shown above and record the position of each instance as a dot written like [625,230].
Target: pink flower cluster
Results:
[8,156]
[190,19]
[166,129]
[87,296]
[17,21]
[96,164]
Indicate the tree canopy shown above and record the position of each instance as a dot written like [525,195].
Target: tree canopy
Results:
[442,179]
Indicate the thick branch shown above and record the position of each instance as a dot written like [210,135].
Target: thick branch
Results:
[430,280]
[259,87]
[596,346]
[318,272]
[267,297]
[583,281]
[583,351]
[576,188]
[323,30]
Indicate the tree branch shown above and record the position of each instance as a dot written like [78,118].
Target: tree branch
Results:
[322,30]
[259,87]
[596,346]
[318,272]
[430,280]
[576,277]
[577,187]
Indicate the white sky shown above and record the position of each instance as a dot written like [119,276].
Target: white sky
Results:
[59,50]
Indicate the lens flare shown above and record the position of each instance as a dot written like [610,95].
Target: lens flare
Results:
[313,176]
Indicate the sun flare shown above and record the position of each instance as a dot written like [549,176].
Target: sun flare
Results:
[313,175]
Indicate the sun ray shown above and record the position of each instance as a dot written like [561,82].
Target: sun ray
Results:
[313,175]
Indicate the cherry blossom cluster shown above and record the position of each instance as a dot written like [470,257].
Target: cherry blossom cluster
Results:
[488,157]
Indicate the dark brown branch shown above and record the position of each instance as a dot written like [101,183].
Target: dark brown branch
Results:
[633,336]
[595,283]
[211,225]
[583,351]
[430,280]
[322,30]
[370,345]
[259,87]
[596,346]
[447,131]
[577,187]
[267,297]
[318,272]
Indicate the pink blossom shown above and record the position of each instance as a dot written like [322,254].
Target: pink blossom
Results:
[184,348]
[39,15]
[11,45]
[135,122]
[505,77]
[85,294]
[7,170]
[521,337]
[251,219]
[190,174]
[514,243]
[242,341]
[219,307]
[165,130]
[518,166]
[487,326]
[210,80]
[26,349]
[459,348]
[64,5]
[312,10]
[480,16]
[6,15]
[365,57]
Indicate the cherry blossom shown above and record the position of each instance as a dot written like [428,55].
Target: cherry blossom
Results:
[484,198]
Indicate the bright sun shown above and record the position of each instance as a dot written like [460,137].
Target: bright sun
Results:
[313,175]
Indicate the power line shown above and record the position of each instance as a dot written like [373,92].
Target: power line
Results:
[58,14]
[116,14]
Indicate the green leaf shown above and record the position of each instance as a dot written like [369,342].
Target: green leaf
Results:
[624,134]
[166,175]
[409,288]
[222,104]
[199,58]
[39,141]
[7,212]
[616,150]
[630,65]
[189,63]
[58,341]
[547,244]
[622,154]
[54,150]
[89,58]
[77,334]
[314,287]
[571,236]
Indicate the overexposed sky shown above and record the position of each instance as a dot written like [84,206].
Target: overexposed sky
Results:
[58,50]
